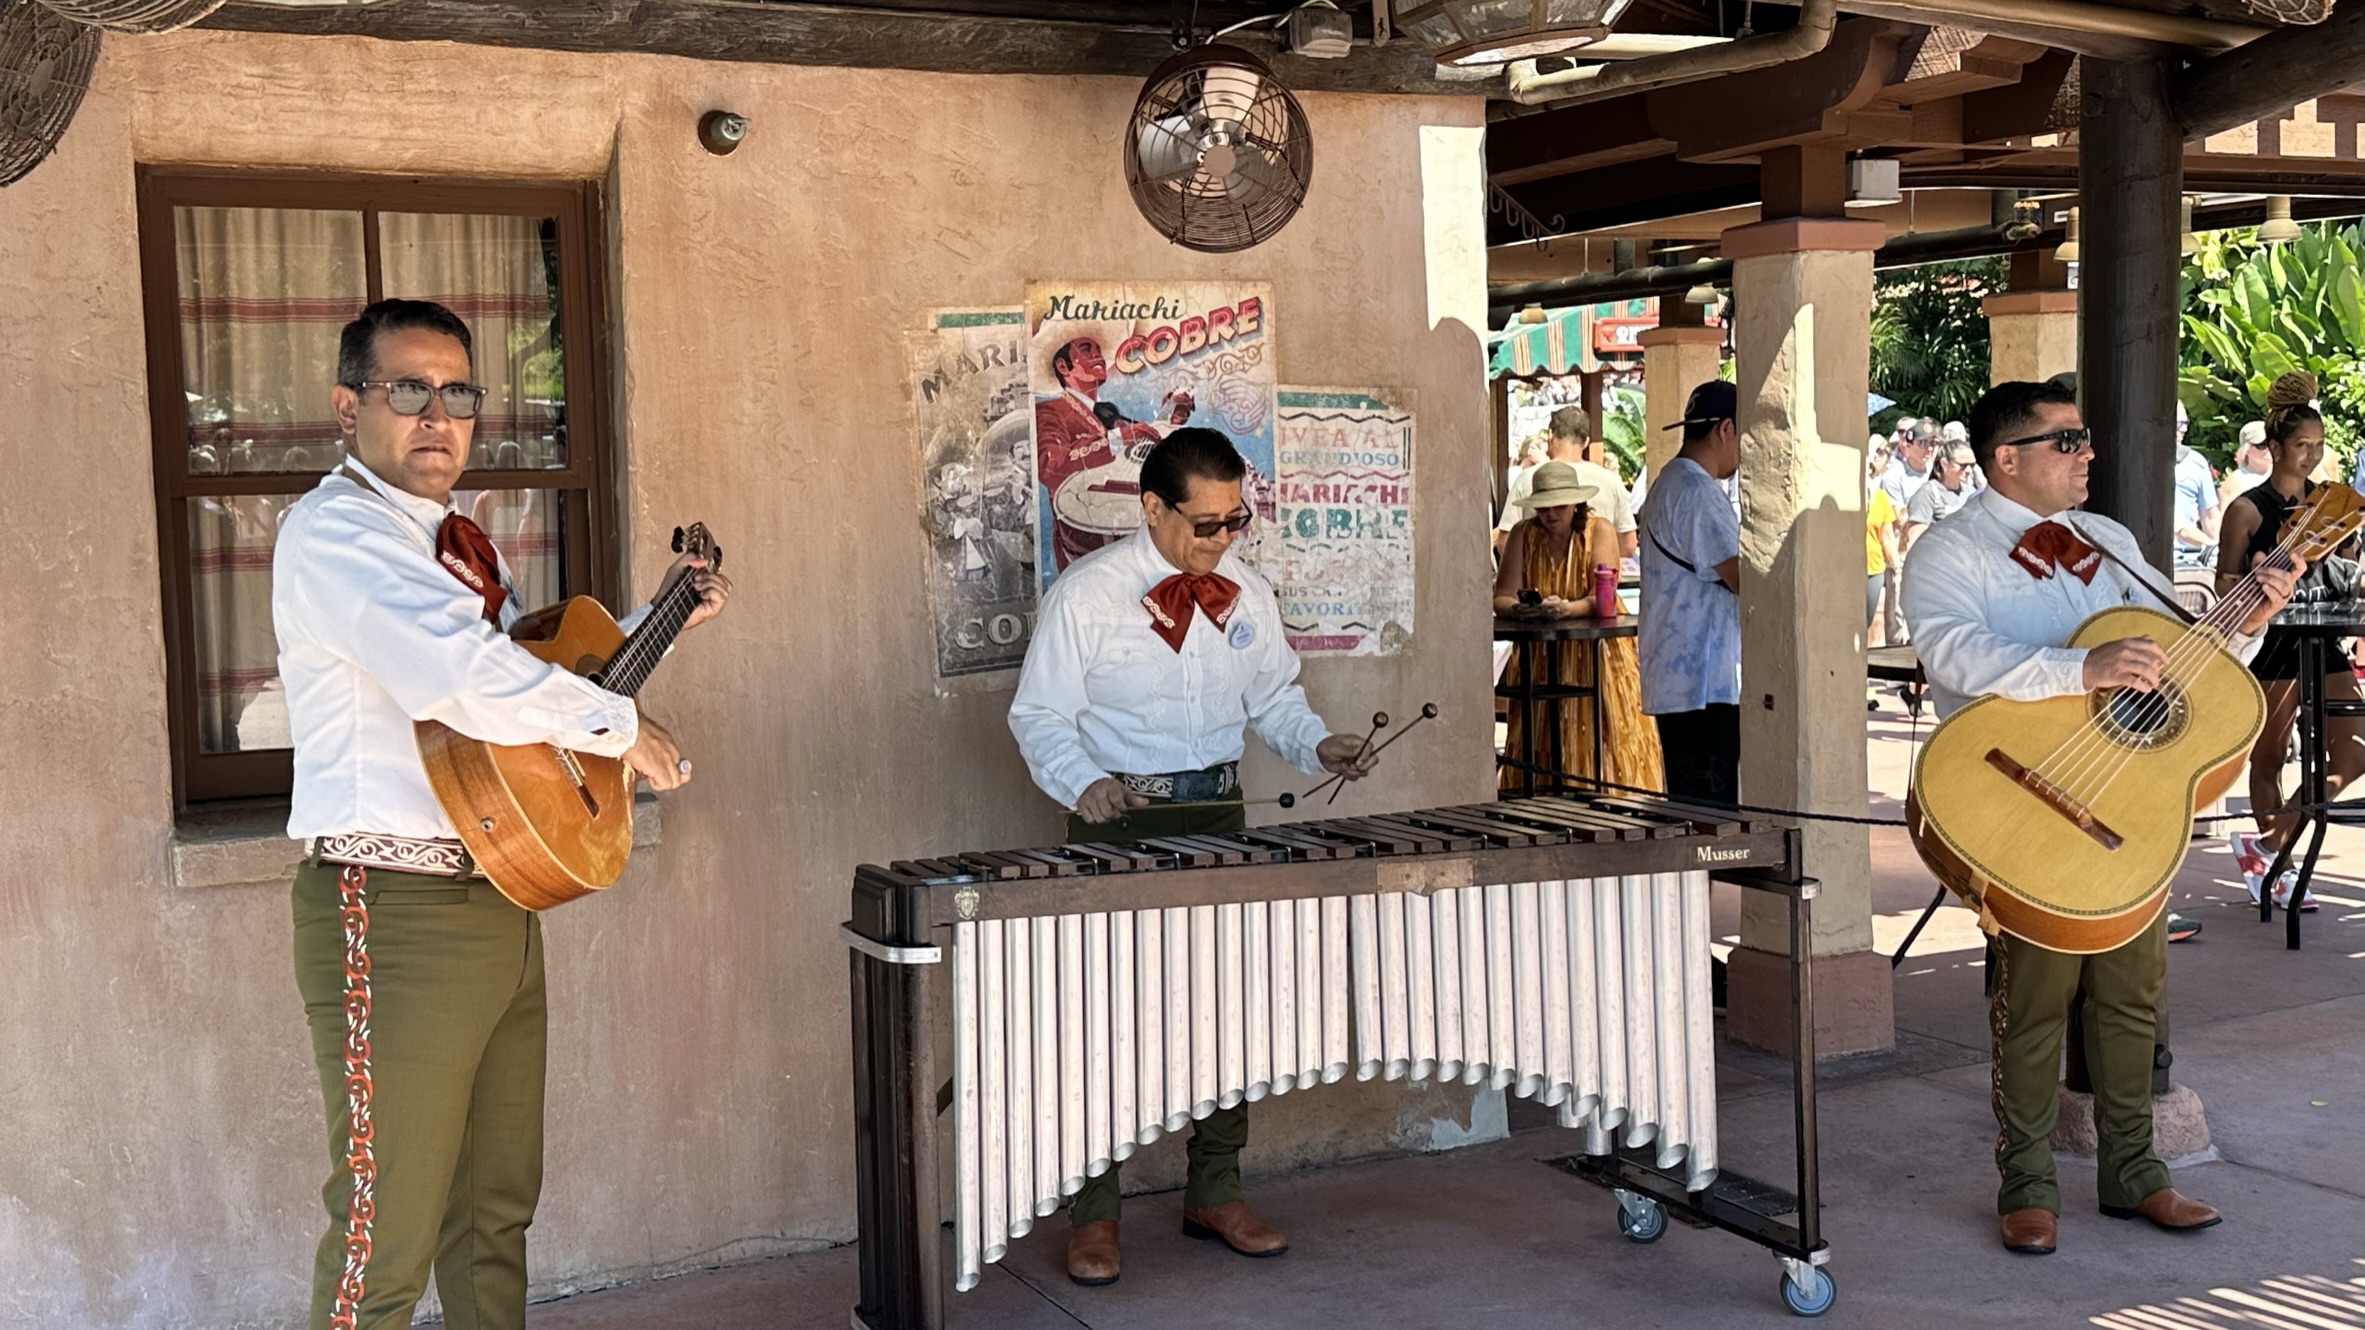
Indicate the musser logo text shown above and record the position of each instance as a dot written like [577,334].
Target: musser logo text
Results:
[1711,855]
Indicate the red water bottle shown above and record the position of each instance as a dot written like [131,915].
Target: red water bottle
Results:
[1605,591]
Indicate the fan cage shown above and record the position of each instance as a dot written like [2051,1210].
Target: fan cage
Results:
[45,65]
[135,16]
[1175,151]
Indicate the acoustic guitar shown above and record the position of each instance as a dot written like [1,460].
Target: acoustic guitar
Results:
[546,824]
[2064,820]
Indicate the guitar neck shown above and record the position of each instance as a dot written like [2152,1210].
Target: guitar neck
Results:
[638,657]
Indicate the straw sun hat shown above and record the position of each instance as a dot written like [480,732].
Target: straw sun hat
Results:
[1556,485]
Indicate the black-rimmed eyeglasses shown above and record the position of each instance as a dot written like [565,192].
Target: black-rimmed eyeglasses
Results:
[2063,440]
[409,397]
[1206,527]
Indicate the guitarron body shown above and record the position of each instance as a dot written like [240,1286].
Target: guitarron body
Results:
[2039,857]
[546,825]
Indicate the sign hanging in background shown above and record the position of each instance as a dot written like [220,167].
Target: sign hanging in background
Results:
[1344,567]
[969,393]
[1117,366]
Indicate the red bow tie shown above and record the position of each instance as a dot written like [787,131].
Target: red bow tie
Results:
[467,553]
[2050,545]
[1169,604]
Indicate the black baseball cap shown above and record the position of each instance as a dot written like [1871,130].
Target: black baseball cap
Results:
[1709,403]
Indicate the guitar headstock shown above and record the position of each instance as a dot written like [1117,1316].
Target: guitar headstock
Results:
[2332,514]
[696,539]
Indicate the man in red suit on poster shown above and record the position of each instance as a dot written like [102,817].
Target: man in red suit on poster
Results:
[1072,435]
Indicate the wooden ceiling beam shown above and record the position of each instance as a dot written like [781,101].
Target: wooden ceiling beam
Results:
[1630,192]
[1576,138]
[2272,74]
[1797,102]
[876,36]
[2020,109]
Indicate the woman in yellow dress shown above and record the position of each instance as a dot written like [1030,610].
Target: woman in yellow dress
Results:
[1552,552]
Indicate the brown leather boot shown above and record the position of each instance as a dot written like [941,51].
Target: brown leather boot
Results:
[2166,1209]
[1237,1225]
[2029,1232]
[1092,1253]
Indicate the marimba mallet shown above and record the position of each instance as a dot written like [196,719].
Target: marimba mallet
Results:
[1428,712]
[1379,721]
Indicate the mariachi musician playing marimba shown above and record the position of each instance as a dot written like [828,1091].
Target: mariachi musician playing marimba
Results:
[1150,656]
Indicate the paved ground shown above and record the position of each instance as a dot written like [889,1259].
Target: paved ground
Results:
[2270,1040]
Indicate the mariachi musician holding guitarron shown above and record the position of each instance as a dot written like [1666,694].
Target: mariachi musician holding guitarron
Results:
[1994,597]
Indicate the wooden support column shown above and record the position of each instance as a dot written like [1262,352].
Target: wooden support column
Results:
[2131,180]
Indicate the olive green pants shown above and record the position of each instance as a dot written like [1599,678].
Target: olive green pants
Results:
[2026,1014]
[1213,1152]
[457,1016]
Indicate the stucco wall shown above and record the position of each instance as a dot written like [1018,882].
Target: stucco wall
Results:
[162,1152]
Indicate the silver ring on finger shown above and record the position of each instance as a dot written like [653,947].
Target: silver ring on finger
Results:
[682,765]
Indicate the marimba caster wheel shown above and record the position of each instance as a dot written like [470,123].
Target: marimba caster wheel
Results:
[1645,1221]
[1815,1298]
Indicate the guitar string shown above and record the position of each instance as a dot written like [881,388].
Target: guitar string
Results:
[2070,766]
[669,609]
[2093,768]
[2094,746]
[2191,652]
[641,650]
[644,651]
[2067,763]
[2236,605]
[631,661]
[2248,596]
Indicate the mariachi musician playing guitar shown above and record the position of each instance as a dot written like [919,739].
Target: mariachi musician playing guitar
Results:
[1992,597]
[422,984]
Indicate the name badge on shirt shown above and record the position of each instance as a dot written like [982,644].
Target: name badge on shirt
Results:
[1243,632]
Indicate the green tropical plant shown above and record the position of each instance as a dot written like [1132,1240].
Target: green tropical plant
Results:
[2253,312]
[1623,431]
[1929,336]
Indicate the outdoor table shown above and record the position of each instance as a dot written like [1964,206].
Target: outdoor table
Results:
[1528,693]
[2315,627]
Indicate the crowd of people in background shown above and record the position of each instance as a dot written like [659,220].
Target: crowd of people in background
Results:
[1672,716]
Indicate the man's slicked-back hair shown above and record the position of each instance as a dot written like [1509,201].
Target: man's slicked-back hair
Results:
[1194,452]
[2004,412]
[357,346]
[1571,422]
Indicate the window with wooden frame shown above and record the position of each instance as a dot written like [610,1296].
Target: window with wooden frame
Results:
[248,279]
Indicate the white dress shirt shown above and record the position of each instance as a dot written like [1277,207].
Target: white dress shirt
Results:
[1102,693]
[1982,624]
[374,633]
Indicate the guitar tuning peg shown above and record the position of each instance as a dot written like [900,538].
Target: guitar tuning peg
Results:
[677,540]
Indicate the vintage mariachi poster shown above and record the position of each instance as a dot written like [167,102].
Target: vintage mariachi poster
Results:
[969,395]
[1343,565]
[1115,367]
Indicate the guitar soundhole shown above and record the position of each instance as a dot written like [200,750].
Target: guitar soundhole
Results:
[2142,720]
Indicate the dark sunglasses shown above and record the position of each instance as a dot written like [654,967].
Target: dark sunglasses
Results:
[1205,528]
[2063,440]
[409,397]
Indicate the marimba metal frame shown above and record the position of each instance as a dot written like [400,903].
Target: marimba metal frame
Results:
[900,1091]
[1800,1245]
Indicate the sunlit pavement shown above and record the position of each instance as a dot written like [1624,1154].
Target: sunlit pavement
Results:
[2273,1041]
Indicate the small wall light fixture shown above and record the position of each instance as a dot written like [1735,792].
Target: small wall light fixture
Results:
[2278,229]
[721,132]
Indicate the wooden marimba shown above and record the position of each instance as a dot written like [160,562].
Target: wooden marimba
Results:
[1101,995]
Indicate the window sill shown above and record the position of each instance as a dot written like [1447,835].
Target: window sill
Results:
[249,844]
